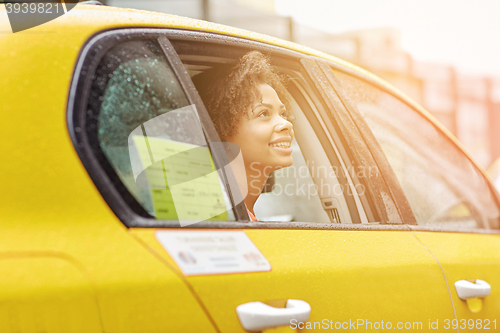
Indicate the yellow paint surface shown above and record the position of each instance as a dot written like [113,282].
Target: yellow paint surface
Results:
[369,275]
[46,293]
[468,257]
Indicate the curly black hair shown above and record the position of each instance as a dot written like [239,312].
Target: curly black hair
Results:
[229,91]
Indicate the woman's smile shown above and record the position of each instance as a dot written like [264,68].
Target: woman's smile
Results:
[282,145]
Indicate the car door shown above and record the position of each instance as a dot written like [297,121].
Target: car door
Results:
[347,254]
[455,206]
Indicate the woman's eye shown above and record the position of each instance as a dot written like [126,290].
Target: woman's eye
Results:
[264,113]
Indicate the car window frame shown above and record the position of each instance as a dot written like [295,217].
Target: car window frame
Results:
[78,93]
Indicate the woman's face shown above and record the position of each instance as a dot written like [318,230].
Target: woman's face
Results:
[265,136]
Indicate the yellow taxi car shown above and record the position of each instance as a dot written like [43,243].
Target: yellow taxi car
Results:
[383,221]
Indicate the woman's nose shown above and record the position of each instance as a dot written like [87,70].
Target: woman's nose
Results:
[283,125]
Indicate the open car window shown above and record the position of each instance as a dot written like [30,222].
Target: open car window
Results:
[316,188]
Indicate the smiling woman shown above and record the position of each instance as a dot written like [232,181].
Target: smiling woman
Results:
[250,108]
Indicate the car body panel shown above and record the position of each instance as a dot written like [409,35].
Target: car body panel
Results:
[383,275]
[133,290]
[46,292]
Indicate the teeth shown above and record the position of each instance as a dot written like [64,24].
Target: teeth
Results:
[281,145]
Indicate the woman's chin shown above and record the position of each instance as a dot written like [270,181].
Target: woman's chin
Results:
[285,163]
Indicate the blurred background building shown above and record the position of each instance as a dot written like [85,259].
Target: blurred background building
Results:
[469,106]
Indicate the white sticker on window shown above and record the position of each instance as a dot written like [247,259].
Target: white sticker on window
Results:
[213,252]
[177,167]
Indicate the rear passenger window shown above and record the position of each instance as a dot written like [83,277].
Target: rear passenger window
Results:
[150,139]
[442,186]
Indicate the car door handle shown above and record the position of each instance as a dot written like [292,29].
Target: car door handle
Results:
[257,316]
[466,289]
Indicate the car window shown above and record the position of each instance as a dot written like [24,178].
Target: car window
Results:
[311,190]
[151,138]
[441,184]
